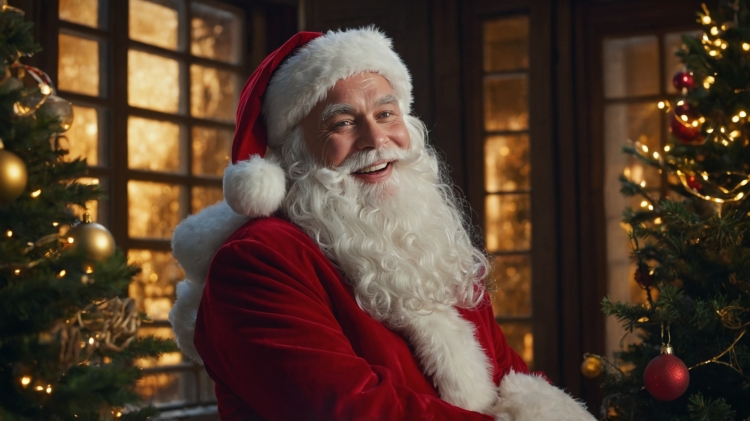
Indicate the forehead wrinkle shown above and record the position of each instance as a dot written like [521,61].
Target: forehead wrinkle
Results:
[335,109]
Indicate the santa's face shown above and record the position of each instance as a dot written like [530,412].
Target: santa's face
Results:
[360,113]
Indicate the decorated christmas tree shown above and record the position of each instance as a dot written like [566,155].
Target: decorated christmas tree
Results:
[691,244]
[67,339]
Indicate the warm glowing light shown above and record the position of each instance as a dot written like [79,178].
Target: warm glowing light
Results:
[54,224]
[643,183]
[61,274]
[48,389]
[91,341]
[745,181]
[657,221]
[714,31]
[725,143]
[36,193]
[656,155]
[742,114]
[644,204]
[684,117]
[644,148]
[17,271]
[25,380]
[740,196]
[746,46]
[736,118]
[702,119]
[735,133]
[661,105]
[722,129]
[119,414]
[712,53]
[709,130]
[89,269]
[650,207]
[723,45]
[695,123]
[9,233]
[71,240]
[717,42]
[667,148]
[680,102]
[40,388]
[706,20]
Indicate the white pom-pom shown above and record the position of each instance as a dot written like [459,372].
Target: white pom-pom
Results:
[255,187]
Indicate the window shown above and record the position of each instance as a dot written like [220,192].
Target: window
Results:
[638,73]
[154,85]
[507,175]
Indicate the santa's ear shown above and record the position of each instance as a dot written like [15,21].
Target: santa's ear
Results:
[255,187]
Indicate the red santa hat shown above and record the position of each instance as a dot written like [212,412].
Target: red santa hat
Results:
[284,88]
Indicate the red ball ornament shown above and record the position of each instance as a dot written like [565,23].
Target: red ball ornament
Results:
[693,183]
[666,377]
[683,80]
[685,125]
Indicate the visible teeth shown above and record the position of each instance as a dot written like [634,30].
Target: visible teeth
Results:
[373,168]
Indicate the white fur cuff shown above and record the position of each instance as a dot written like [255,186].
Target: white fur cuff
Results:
[182,316]
[525,397]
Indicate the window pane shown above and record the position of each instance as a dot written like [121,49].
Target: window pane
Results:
[211,150]
[672,44]
[169,358]
[154,22]
[154,288]
[512,275]
[214,33]
[637,122]
[170,388]
[78,68]
[506,163]
[506,44]
[85,12]
[508,222]
[205,196]
[506,103]
[521,339]
[153,145]
[631,66]
[153,209]
[212,93]
[82,139]
[153,82]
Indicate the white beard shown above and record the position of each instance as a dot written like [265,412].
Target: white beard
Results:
[401,244]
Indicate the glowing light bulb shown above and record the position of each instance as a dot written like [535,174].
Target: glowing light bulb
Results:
[36,193]
[746,46]
[656,155]
[48,389]
[61,274]
[680,102]
[9,233]
[714,31]
[54,224]
[667,148]
[650,207]
[709,130]
[684,117]
[657,221]
[25,380]
[742,114]
[643,183]
[712,53]
[644,204]
[71,240]
[736,118]
[17,271]
[706,20]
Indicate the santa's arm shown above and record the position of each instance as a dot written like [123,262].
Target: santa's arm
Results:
[528,396]
[271,337]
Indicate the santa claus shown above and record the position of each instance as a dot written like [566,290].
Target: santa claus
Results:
[338,280]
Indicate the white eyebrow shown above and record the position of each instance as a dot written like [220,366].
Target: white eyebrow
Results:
[387,99]
[335,109]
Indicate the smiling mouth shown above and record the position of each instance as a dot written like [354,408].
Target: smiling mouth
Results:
[382,166]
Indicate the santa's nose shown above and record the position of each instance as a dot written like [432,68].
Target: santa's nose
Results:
[371,136]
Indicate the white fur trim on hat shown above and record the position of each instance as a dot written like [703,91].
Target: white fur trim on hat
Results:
[305,78]
[527,397]
[254,187]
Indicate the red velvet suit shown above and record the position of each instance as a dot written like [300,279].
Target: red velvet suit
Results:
[280,333]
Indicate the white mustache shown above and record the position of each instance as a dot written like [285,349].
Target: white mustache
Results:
[365,159]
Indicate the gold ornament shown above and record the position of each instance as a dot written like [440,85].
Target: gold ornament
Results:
[13,176]
[591,367]
[110,325]
[93,240]
[39,87]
